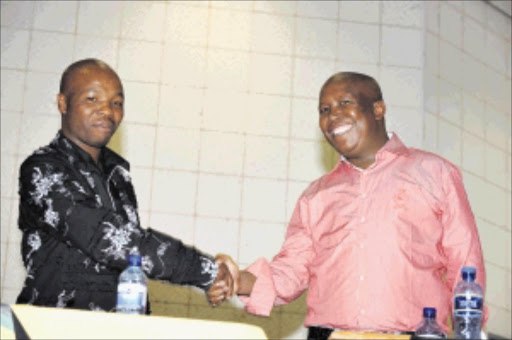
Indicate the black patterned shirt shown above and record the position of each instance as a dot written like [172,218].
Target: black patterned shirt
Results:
[79,225]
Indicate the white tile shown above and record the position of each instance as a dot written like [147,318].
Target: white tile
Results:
[135,143]
[12,85]
[55,16]
[139,60]
[432,54]
[496,245]
[294,191]
[266,157]
[488,201]
[37,131]
[96,47]
[186,24]
[310,75]
[218,196]
[10,125]
[405,13]
[318,9]
[273,33]
[407,123]
[450,142]
[363,11]
[40,97]
[14,266]
[496,167]
[498,90]
[180,107]
[401,86]
[473,154]
[450,106]
[270,74]
[9,175]
[499,321]
[143,20]
[309,160]
[264,200]
[17,14]
[141,181]
[497,53]
[284,7]
[227,69]
[268,115]
[305,119]
[214,235]
[496,22]
[101,18]
[177,148]
[450,24]
[255,234]
[477,10]
[173,192]
[179,227]
[358,42]
[315,38]
[42,53]
[473,82]
[218,115]
[229,29]
[450,63]
[141,103]
[430,133]
[371,69]
[221,152]
[14,44]
[432,15]
[9,295]
[184,65]
[193,3]
[498,286]
[497,127]
[232,5]
[474,115]
[431,93]
[474,39]
[393,40]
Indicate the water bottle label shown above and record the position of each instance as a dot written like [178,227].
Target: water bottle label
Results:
[467,303]
[131,298]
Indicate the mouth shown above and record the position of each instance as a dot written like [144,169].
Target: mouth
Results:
[104,125]
[341,129]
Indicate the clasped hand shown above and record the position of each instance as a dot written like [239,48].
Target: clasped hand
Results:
[226,283]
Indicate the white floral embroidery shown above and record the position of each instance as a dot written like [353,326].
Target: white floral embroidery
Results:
[79,187]
[30,272]
[99,203]
[35,294]
[66,143]
[119,238]
[88,177]
[97,267]
[43,184]
[63,299]
[162,248]
[51,216]
[124,173]
[87,262]
[93,307]
[147,264]
[209,267]
[131,213]
[34,241]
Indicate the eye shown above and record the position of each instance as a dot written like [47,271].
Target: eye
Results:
[118,103]
[91,99]
[345,102]
[324,110]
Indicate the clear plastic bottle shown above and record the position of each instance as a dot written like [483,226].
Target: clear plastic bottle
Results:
[429,328]
[132,288]
[467,306]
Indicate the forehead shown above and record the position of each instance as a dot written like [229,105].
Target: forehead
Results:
[341,87]
[89,75]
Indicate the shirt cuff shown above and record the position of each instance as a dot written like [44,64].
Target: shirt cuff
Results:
[263,295]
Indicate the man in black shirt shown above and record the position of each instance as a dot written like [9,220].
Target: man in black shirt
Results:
[78,209]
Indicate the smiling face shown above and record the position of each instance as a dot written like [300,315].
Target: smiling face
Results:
[91,107]
[352,121]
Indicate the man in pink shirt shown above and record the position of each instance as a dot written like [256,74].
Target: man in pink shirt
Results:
[377,239]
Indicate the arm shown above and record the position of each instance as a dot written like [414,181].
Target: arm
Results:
[53,199]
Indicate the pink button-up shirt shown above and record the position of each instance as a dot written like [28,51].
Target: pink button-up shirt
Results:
[375,246]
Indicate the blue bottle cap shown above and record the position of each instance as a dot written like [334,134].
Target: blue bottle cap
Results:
[134,260]
[429,312]
[468,273]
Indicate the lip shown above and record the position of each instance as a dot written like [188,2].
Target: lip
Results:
[105,125]
[341,129]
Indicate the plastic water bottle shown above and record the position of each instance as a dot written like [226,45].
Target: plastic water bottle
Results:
[467,306]
[132,288]
[429,328]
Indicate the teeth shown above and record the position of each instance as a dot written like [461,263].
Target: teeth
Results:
[341,129]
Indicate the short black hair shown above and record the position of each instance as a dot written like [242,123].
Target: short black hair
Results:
[78,65]
[368,90]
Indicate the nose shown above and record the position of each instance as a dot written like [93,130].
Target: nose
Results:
[335,112]
[106,109]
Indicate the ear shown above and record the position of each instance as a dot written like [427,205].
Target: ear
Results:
[379,110]
[62,103]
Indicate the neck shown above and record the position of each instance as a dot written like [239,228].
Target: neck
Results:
[366,160]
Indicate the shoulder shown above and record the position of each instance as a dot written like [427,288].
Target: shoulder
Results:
[430,161]
[47,159]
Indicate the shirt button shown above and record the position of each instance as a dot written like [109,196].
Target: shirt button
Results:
[361,277]
[363,195]
[363,219]
[361,245]
[363,311]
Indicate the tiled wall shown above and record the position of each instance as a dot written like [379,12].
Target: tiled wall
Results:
[221,120]
[468,120]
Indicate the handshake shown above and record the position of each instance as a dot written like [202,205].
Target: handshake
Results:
[229,281]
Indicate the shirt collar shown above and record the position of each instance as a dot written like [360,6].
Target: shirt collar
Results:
[393,146]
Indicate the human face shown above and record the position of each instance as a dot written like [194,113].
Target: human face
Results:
[91,108]
[354,130]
